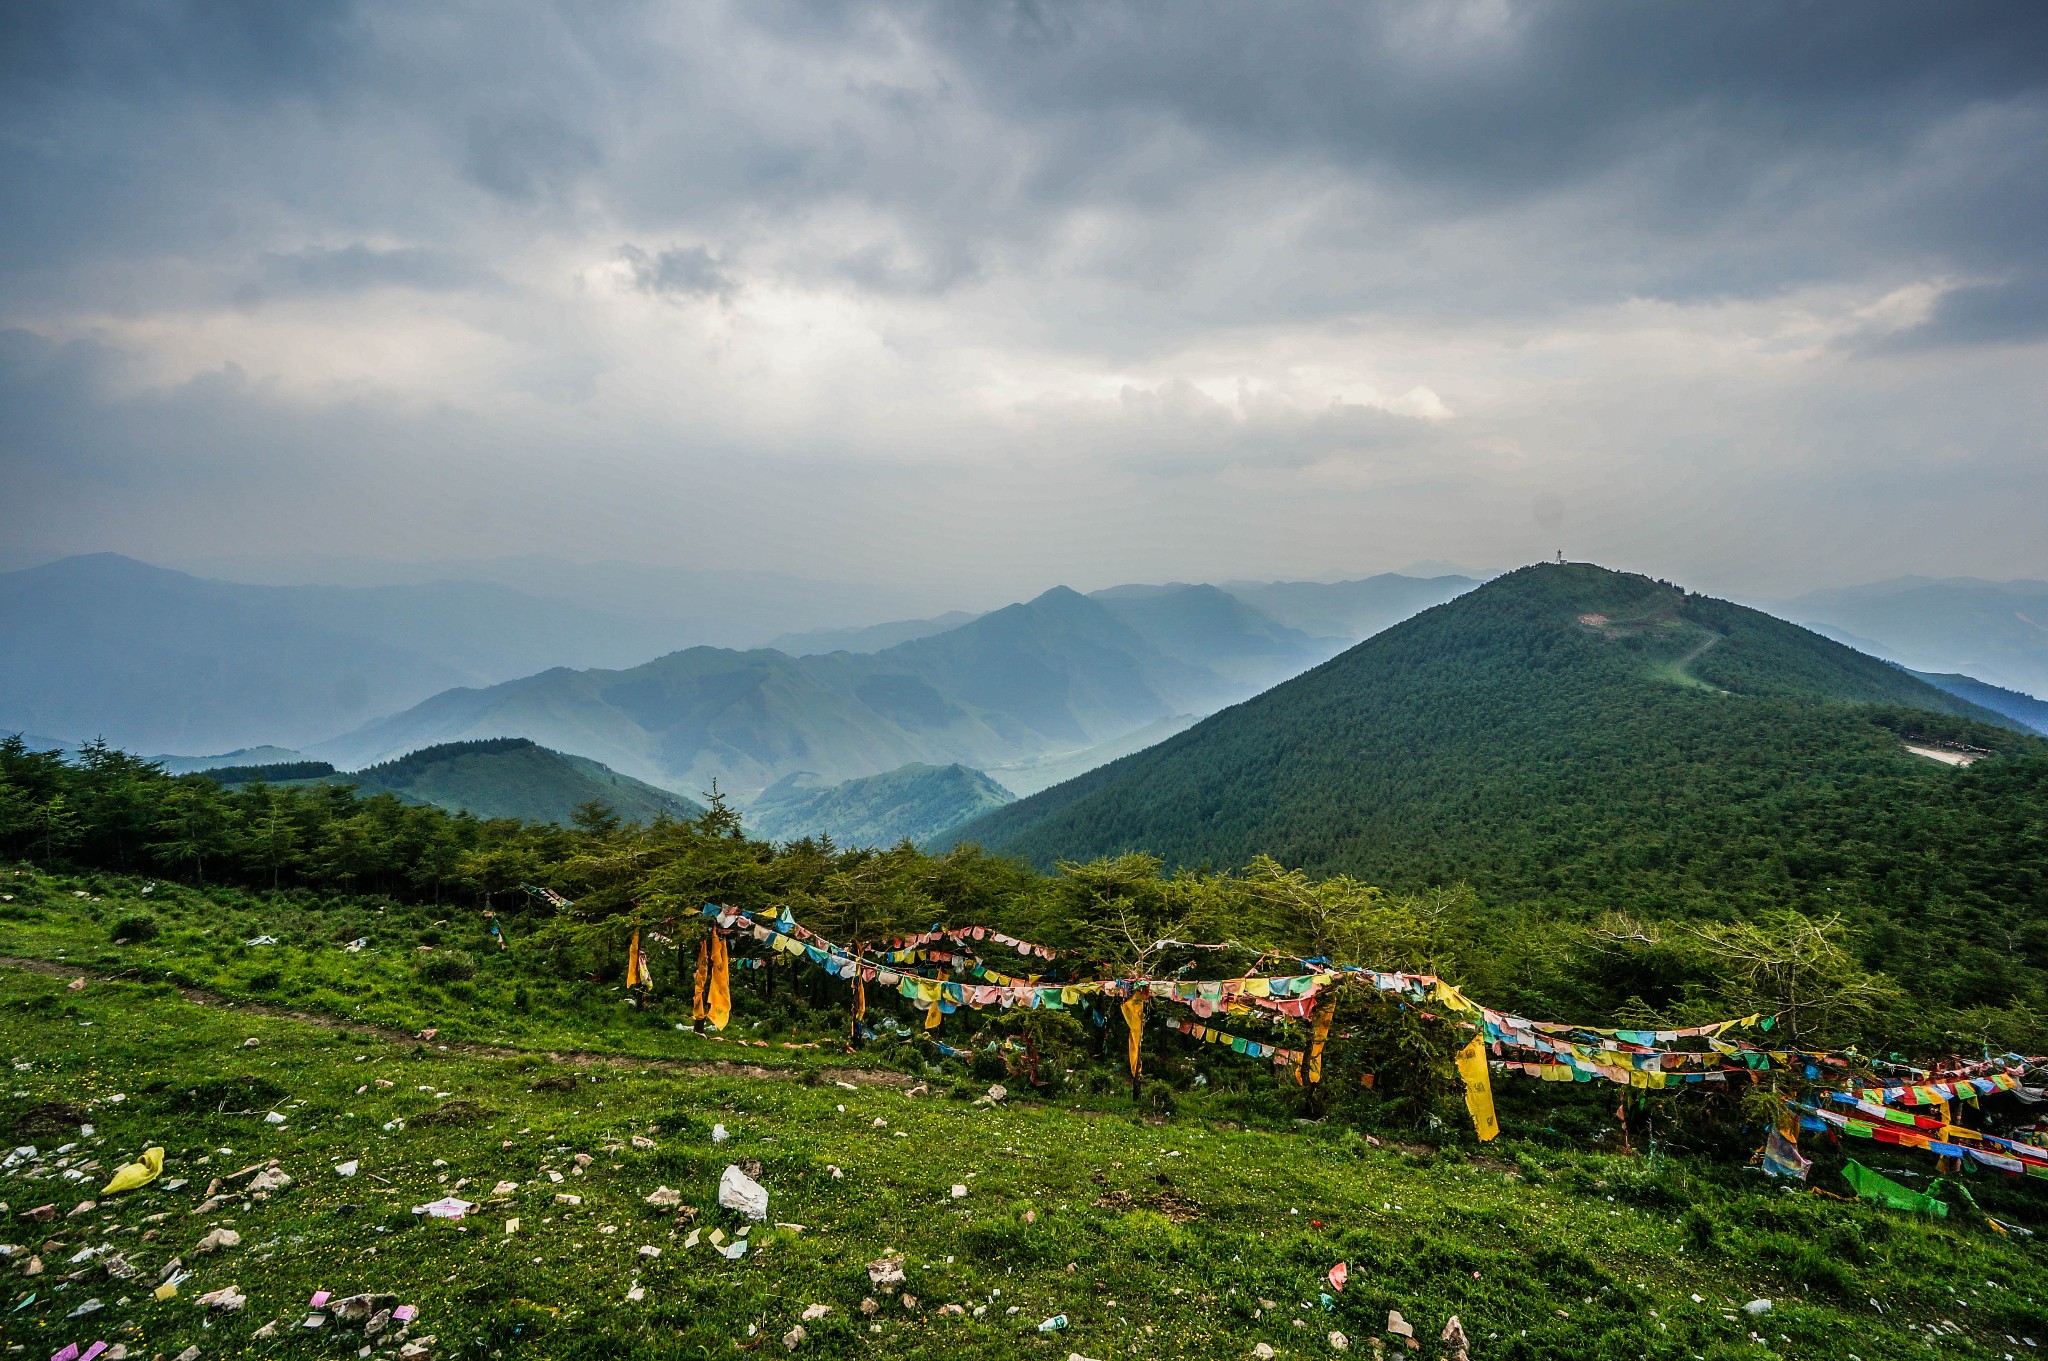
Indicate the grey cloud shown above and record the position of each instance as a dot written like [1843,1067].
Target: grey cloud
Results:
[528,154]
[679,272]
[981,204]
[2010,313]
[349,269]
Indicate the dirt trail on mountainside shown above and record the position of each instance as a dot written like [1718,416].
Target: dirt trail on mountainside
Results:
[574,1058]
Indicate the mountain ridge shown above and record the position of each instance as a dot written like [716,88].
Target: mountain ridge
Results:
[1536,736]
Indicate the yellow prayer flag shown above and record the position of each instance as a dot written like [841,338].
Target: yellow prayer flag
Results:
[698,1010]
[1134,1020]
[1325,1011]
[719,998]
[141,1172]
[1449,996]
[1478,1088]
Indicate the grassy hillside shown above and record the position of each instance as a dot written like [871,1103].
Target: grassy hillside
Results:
[1204,1226]
[510,777]
[914,803]
[1584,740]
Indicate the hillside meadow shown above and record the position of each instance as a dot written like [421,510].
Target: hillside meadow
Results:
[1205,1228]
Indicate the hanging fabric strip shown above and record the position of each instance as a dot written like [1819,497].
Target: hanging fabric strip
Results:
[1478,1088]
[1134,1021]
[719,999]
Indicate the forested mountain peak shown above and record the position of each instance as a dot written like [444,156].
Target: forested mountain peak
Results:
[1575,740]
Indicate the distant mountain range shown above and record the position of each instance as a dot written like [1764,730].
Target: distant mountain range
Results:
[501,778]
[2014,705]
[156,660]
[1033,694]
[1562,729]
[1993,631]
[913,803]
[1061,673]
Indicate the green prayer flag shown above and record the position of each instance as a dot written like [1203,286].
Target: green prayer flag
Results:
[1882,1189]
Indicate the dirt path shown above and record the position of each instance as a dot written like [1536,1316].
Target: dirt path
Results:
[573,1058]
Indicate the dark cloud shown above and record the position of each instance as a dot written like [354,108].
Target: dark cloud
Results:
[2010,313]
[348,269]
[679,272]
[1110,245]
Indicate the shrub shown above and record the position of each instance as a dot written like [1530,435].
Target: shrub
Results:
[449,966]
[134,929]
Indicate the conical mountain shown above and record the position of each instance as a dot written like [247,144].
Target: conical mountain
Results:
[1571,733]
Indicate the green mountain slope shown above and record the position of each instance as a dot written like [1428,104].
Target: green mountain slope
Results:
[914,803]
[511,777]
[1588,739]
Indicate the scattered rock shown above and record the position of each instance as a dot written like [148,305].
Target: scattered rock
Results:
[664,1198]
[814,1312]
[1756,1307]
[347,1169]
[909,1301]
[219,1238]
[192,1353]
[41,1214]
[870,1306]
[959,1191]
[227,1299]
[1263,1352]
[361,1308]
[272,1178]
[83,1207]
[738,1191]
[886,1271]
[794,1338]
[1340,1342]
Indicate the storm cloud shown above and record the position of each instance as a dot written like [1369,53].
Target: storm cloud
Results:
[1749,295]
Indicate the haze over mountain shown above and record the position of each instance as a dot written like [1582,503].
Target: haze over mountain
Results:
[157,660]
[719,607]
[914,803]
[2019,707]
[1566,731]
[1995,631]
[1059,673]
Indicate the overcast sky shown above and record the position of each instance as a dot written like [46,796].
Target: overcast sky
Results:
[1752,296]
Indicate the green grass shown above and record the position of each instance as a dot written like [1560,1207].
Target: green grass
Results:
[1545,1252]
